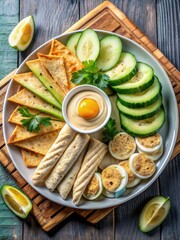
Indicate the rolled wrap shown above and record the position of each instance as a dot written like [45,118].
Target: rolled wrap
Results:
[66,184]
[67,160]
[93,157]
[64,138]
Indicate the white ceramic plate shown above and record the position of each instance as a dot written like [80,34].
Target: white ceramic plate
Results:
[169,130]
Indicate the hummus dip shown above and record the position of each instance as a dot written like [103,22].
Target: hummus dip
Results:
[81,122]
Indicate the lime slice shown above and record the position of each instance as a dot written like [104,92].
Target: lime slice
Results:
[16,200]
[154,213]
[21,36]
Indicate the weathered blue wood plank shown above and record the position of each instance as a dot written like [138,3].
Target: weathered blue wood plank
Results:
[9,10]
[10,225]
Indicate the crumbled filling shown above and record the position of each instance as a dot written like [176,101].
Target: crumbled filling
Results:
[122,144]
[144,165]
[125,165]
[93,187]
[111,178]
[150,142]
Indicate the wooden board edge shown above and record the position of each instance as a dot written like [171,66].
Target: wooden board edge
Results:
[90,15]
[7,78]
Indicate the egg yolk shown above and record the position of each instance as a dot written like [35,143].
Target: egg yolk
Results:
[88,108]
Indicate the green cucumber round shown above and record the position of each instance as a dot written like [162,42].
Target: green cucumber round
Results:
[72,42]
[88,46]
[143,128]
[110,52]
[154,213]
[140,113]
[124,70]
[142,99]
[143,79]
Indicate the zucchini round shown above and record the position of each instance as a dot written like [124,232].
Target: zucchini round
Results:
[142,99]
[143,128]
[88,46]
[140,113]
[141,81]
[124,70]
[110,52]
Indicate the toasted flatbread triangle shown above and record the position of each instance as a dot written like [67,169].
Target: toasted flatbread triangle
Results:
[72,63]
[27,98]
[32,83]
[39,144]
[56,67]
[20,133]
[41,72]
[16,116]
[31,159]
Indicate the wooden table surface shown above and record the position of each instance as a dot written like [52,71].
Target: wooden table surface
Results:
[160,21]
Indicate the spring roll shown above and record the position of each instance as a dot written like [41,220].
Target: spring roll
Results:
[93,157]
[66,184]
[66,161]
[64,138]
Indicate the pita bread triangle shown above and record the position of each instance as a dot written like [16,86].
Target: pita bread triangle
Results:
[72,63]
[31,159]
[32,83]
[27,98]
[56,67]
[20,133]
[16,116]
[43,75]
[39,144]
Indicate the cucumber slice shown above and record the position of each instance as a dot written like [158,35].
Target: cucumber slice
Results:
[140,113]
[141,81]
[154,213]
[110,52]
[124,70]
[88,46]
[143,128]
[142,99]
[72,42]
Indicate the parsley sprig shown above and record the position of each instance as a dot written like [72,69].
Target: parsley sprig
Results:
[109,130]
[90,74]
[33,121]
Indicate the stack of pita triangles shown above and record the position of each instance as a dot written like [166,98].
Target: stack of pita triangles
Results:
[43,92]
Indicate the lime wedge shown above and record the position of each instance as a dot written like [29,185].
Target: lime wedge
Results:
[16,200]
[154,213]
[21,36]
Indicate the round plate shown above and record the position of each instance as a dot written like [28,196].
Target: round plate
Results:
[169,130]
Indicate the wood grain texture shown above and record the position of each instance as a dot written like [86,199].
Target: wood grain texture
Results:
[51,19]
[143,14]
[122,223]
[10,225]
[168,22]
[9,10]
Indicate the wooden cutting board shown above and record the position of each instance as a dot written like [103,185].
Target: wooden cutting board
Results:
[106,17]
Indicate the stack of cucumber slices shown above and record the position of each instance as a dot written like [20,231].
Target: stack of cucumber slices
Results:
[139,98]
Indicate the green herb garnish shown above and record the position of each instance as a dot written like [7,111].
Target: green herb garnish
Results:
[109,130]
[33,121]
[90,74]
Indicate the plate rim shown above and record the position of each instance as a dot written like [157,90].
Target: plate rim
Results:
[139,191]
